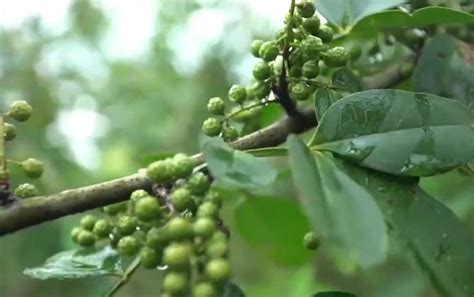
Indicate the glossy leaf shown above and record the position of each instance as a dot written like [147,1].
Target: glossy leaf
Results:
[276,226]
[334,294]
[398,132]
[79,264]
[445,68]
[347,12]
[340,210]
[421,18]
[346,80]
[323,98]
[232,290]
[437,239]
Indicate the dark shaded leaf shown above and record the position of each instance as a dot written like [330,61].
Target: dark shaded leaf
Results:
[398,132]
[346,80]
[232,290]
[323,98]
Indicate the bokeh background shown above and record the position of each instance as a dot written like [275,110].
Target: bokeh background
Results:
[113,84]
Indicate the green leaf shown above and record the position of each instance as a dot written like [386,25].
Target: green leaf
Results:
[347,12]
[232,290]
[346,80]
[276,226]
[235,169]
[334,294]
[338,208]
[438,240]
[423,17]
[398,132]
[79,264]
[323,98]
[445,68]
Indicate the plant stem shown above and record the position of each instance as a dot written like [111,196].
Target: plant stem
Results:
[262,103]
[125,277]
[3,160]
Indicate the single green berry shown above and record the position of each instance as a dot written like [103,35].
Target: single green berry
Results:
[237,93]
[219,235]
[88,222]
[20,110]
[9,131]
[355,53]
[336,57]
[296,20]
[156,238]
[300,91]
[178,229]
[86,238]
[325,33]
[198,183]
[128,246]
[311,25]
[208,209]
[260,89]
[204,227]
[216,106]
[212,127]
[229,134]
[310,69]
[138,194]
[160,171]
[181,199]
[312,46]
[126,225]
[177,255]
[148,209]
[277,65]
[217,249]
[255,47]
[183,165]
[218,270]
[311,241]
[306,8]
[102,228]
[262,71]
[33,168]
[296,58]
[26,191]
[115,209]
[204,289]
[149,258]
[295,71]
[175,283]
[268,51]
[75,234]
[214,197]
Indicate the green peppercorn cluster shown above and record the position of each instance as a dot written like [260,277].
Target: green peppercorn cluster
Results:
[175,228]
[299,53]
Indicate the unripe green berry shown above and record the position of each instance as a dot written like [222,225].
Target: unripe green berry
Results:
[198,183]
[138,194]
[217,249]
[128,246]
[33,168]
[149,258]
[300,91]
[255,47]
[177,256]
[237,93]
[260,89]
[212,127]
[115,209]
[26,191]
[295,19]
[312,46]
[219,236]
[178,229]
[86,238]
[218,270]
[355,53]
[306,8]
[295,71]
[126,225]
[183,165]
[75,234]
[20,110]
[156,238]
[9,131]
[311,25]
[208,209]
[262,71]
[325,33]
[336,57]
[204,227]
[181,199]
[148,209]
[216,106]
[160,171]
[204,289]
[268,51]
[214,197]
[175,283]
[229,134]
[88,222]
[310,69]
[102,228]
[311,241]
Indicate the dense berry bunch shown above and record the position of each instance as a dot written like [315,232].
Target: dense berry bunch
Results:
[176,227]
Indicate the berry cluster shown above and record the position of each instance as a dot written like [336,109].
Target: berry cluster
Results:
[19,111]
[175,227]
[291,66]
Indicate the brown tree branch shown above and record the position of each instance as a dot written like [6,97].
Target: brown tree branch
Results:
[37,210]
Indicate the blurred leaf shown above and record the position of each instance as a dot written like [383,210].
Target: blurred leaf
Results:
[232,290]
[276,226]
[416,130]
[323,98]
[334,294]
[338,208]
[423,17]
[79,264]
[236,169]
[347,12]
[446,68]
[346,80]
